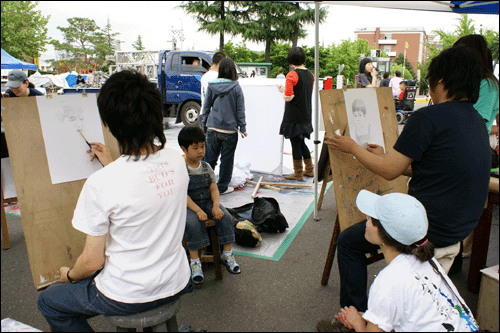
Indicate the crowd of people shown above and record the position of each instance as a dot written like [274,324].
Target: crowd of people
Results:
[136,210]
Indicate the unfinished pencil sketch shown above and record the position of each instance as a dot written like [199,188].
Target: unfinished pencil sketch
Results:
[363,117]
[62,118]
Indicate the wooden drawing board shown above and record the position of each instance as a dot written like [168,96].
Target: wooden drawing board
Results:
[46,209]
[349,176]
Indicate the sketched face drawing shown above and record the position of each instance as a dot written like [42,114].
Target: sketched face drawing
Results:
[73,117]
[362,126]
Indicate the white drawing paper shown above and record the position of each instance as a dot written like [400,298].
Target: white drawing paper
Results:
[363,117]
[61,118]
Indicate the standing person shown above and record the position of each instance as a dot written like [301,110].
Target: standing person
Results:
[422,298]
[133,212]
[367,74]
[203,203]
[281,75]
[296,124]
[487,104]
[90,78]
[385,81]
[224,107]
[211,75]
[253,74]
[394,84]
[444,148]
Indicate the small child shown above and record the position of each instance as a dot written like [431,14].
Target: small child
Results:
[296,124]
[412,293]
[402,87]
[203,203]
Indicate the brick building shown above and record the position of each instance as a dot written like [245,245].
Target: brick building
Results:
[393,40]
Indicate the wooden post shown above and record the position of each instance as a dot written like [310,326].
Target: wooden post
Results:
[257,187]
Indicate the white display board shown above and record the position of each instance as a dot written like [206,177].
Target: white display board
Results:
[61,118]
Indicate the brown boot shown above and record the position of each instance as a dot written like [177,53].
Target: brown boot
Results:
[297,171]
[308,167]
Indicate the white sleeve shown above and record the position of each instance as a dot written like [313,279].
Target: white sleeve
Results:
[382,311]
[90,216]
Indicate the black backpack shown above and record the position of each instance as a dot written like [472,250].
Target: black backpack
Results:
[265,213]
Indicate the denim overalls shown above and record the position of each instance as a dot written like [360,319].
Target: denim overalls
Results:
[196,232]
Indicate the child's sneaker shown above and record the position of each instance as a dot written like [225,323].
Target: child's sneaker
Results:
[230,263]
[197,273]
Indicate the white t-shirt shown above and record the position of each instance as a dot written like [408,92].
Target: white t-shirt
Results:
[408,296]
[141,206]
[394,84]
[205,79]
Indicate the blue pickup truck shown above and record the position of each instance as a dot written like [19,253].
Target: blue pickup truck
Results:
[179,82]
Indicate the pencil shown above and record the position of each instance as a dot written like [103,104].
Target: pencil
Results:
[89,146]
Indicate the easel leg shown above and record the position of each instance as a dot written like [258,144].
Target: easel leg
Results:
[326,179]
[5,230]
[331,252]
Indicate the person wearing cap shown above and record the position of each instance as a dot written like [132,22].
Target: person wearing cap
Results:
[422,297]
[18,83]
[444,148]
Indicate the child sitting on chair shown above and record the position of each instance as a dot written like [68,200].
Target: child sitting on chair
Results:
[202,204]
[402,87]
[412,293]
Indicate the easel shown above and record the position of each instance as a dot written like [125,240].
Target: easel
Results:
[47,209]
[5,229]
[348,175]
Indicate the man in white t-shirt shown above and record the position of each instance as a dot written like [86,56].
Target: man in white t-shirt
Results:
[394,84]
[133,212]
[211,75]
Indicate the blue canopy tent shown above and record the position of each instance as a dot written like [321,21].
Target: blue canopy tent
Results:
[458,7]
[9,62]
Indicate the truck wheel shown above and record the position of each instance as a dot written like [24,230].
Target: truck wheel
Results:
[399,117]
[190,114]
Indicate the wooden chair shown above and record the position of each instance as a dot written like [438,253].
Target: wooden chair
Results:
[213,257]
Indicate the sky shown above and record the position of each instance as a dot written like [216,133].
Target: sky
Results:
[153,20]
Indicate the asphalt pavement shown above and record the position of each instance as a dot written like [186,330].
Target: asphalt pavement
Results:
[284,295]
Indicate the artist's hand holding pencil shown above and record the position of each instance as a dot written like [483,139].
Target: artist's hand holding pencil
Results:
[101,151]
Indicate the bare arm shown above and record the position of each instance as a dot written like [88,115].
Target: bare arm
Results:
[91,259]
[216,211]
[195,208]
[389,166]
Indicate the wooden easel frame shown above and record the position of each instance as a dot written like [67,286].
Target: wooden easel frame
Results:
[345,168]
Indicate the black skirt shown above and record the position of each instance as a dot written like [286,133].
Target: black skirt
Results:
[291,130]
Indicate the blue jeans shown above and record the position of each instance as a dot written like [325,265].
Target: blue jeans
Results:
[351,248]
[224,145]
[197,234]
[67,306]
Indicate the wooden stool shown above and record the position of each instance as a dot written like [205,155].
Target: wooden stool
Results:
[214,241]
[152,319]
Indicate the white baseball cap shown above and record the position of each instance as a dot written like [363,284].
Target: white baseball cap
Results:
[403,217]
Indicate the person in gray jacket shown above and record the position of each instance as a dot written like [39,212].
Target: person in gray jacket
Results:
[223,116]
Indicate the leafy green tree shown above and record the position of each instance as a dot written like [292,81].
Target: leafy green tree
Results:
[397,67]
[215,17]
[408,67]
[84,41]
[240,52]
[269,22]
[138,44]
[23,30]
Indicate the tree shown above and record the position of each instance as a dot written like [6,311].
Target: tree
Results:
[84,43]
[24,34]
[138,44]
[240,52]
[270,22]
[215,18]
[408,67]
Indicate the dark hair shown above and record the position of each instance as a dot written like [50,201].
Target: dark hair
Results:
[386,75]
[296,56]
[478,43]
[227,69]
[397,73]
[190,135]
[130,106]
[422,252]
[218,56]
[403,82]
[362,70]
[459,68]
[280,71]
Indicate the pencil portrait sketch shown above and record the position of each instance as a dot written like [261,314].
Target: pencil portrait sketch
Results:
[363,117]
